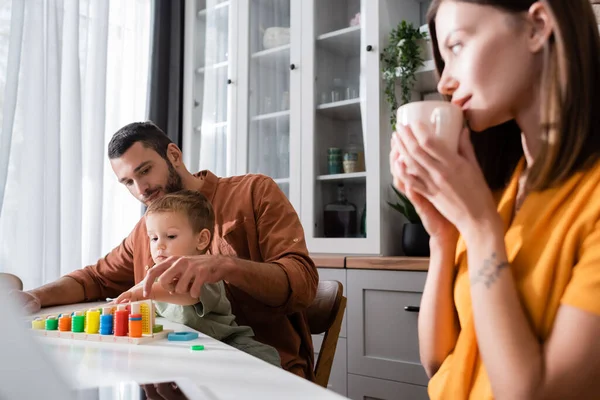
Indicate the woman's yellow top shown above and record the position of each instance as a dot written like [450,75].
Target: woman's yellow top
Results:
[553,246]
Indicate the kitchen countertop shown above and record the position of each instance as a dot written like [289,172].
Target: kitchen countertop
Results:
[329,260]
[388,263]
[371,262]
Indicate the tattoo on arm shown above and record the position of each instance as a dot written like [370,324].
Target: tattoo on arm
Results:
[489,272]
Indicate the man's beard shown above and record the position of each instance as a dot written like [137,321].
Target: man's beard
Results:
[174,182]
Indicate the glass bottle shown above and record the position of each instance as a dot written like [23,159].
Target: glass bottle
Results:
[340,217]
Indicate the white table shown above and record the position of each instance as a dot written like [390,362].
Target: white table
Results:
[226,372]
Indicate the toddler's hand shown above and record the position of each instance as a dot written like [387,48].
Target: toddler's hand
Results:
[130,296]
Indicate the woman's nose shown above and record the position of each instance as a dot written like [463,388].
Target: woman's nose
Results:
[447,85]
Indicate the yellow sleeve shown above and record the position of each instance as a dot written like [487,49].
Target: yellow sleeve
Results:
[583,291]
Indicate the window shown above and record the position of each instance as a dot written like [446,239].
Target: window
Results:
[82,72]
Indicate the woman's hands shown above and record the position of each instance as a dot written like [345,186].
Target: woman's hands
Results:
[438,227]
[446,187]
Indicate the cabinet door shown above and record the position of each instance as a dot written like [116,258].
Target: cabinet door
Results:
[334,173]
[382,324]
[339,369]
[345,134]
[335,274]
[363,388]
[269,102]
[207,94]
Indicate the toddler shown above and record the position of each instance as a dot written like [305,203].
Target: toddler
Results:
[181,224]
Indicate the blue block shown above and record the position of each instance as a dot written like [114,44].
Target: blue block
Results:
[106,324]
[182,336]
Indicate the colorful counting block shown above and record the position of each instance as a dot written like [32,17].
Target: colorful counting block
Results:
[182,336]
[109,324]
[38,324]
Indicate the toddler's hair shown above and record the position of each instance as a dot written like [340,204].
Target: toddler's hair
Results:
[190,202]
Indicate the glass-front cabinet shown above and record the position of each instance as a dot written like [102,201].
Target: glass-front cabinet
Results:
[208,100]
[345,130]
[270,92]
[292,89]
[335,180]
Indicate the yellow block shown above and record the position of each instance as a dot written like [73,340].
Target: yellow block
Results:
[38,324]
[146,326]
[92,321]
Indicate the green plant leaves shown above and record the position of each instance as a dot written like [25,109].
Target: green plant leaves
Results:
[400,60]
[405,207]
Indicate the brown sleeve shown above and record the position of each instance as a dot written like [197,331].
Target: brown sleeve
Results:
[281,241]
[111,275]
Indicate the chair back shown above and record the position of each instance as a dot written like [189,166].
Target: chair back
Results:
[10,282]
[325,315]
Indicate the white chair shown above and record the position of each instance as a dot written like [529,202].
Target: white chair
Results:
[10,282]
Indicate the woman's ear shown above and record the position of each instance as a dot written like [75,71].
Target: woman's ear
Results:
[174,155]
[541,26]
[203,241]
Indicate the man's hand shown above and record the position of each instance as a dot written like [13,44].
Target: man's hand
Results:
[187,274]
[29,302]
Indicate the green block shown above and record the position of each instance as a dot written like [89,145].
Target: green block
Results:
[51,324]
[157,328]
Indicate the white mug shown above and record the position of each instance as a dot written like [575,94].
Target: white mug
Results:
[443,118]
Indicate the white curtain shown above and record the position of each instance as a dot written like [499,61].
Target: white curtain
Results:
[72,72]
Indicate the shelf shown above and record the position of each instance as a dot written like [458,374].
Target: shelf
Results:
[282,181]
[277,114]
[279,54]
[354,176]
[427,79]
[345,110]
[216,66]
[345,42]
[203,12]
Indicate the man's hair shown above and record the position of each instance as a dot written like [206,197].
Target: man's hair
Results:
[150,135]
[193,204]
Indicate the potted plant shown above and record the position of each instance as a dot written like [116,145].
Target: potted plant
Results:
[400,60]
[415,239]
